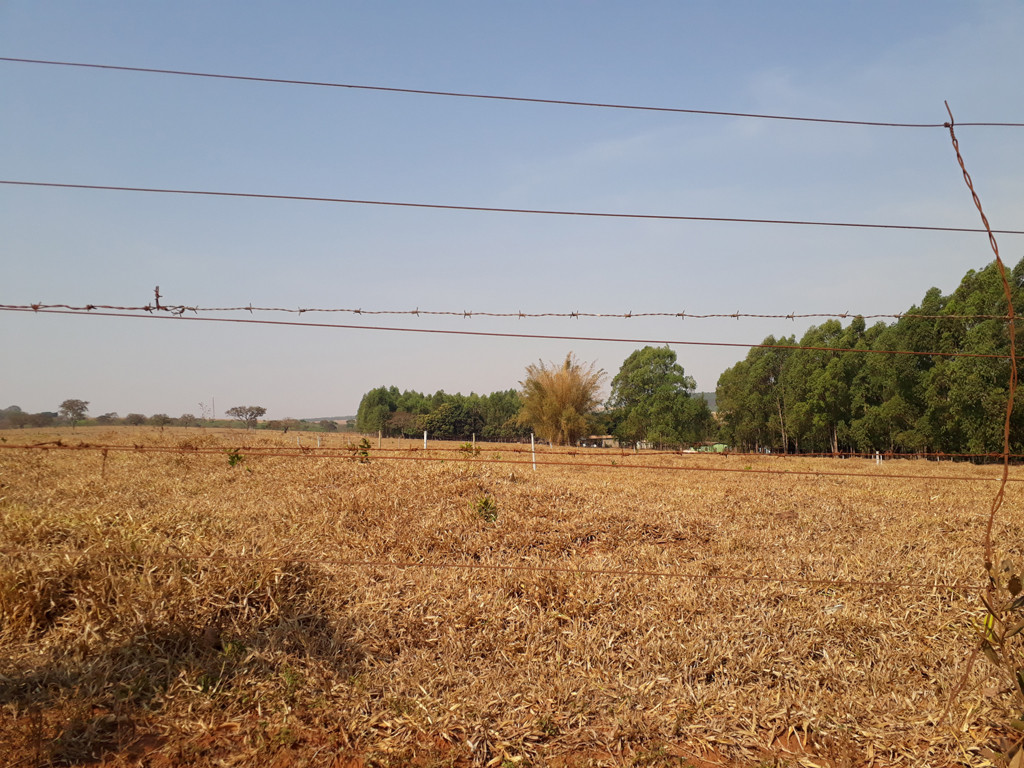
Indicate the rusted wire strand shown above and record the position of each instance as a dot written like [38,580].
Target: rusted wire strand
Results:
[499,567]
[492,209]
[1000,495]
[375,455]
[179,309]
[491,97]
[324,451]
[495,334]
[997,501]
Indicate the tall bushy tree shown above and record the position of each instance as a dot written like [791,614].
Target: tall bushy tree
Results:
[74,410]
[376,408]
[651,394]
[558,400]
[247,414]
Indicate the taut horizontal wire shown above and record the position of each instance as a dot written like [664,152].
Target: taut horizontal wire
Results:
[347,455]
[490,209]
[468,314]
[494,334]
[492,97]
[501,567]
[513,447]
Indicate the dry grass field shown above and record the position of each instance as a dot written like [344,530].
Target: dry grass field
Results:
[182,608]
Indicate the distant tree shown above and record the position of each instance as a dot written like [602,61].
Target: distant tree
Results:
[187,420]
[445,421]
[160,420]
[73,410]
[376,408]
[135,419]
[107,418]
[42,419]
[653,395]
[405,423]
[247,414]
[328,426]
[13,416]
[557,401]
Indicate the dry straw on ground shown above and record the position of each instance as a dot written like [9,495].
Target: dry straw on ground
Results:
[173,609]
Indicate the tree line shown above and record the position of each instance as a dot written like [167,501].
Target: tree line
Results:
[444,416]
[812,400]
[75,412]
[853,388]
[651,403]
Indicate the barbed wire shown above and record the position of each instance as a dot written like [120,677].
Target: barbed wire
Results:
[492,209]
[180,309]
[496,334]
[350,454]
[494,567]
[491,97]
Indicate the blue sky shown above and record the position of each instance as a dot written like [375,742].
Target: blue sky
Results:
[863,61]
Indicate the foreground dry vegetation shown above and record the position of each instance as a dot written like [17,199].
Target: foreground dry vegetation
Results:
[183,609]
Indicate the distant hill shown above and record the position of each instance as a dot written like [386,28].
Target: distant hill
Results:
[709,398]
[330,418]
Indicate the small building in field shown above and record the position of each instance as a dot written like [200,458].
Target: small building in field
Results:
[713,448]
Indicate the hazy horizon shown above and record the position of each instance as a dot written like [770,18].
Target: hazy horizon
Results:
[872,61]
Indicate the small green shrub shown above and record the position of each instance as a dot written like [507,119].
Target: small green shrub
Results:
[234,457]
[469,449]
[486,508]
[361,452]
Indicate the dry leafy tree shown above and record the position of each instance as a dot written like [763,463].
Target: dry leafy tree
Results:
[74,410]
[558,400]
[247,414]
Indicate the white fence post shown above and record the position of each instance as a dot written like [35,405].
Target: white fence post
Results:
[533,450]
[424,439]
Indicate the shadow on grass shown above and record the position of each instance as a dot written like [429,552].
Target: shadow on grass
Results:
[85,702]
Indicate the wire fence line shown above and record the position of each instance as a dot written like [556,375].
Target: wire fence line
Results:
[180,309]
[351,454]
[491,97]
[495,334]
[515,447]
[493,209]
[179,313]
